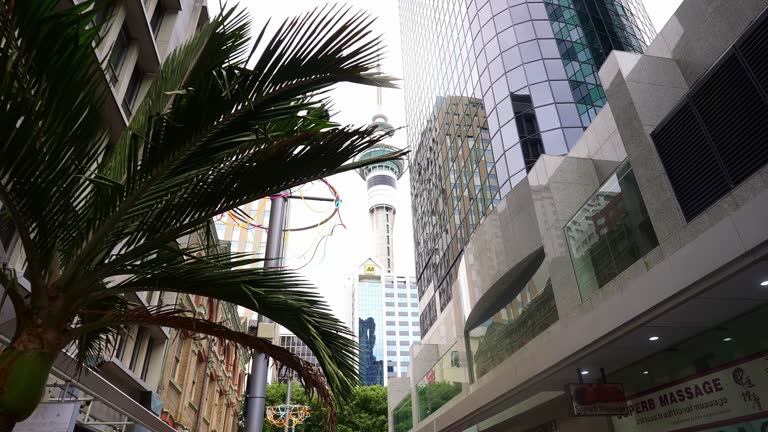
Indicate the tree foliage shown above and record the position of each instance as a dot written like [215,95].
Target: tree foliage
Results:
[365,411]
[227,120]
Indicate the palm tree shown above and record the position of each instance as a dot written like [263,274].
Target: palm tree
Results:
[221,125]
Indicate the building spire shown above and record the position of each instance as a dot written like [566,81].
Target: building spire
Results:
[378,89]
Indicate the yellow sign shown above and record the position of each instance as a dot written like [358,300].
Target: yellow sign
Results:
[370,269]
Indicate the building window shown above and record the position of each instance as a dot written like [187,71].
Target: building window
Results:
[527,129]
[117,56]
[140,336]
[501,335]
[195,373]
[157,19]
[120,350]
[132,91]
[455,359]
[610,232]
[147,359]
[177,358]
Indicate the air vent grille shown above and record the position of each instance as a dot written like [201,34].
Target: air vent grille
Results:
[717,137]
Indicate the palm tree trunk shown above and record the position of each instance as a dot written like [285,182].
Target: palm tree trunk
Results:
[24,367]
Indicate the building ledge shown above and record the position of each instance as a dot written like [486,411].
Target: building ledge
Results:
[175,386]
[138,25]
[123,378]
[172,5]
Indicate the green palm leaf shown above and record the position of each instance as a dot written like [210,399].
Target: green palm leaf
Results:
[280,295]
[220,126]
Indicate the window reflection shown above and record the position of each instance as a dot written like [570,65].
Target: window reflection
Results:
[610,232]
[514,325]
[442,383]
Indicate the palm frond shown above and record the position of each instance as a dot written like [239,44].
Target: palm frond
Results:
[278,294]
[310,377]
[98,326]
[230,134]
[51,127]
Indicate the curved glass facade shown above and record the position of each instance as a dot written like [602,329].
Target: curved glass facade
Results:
[489,86]
[387,326]
[371,333]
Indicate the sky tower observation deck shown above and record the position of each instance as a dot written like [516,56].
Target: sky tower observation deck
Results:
[381,180]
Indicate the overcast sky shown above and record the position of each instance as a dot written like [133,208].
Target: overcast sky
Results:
[339,255]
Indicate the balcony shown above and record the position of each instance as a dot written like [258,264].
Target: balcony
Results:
[610,232]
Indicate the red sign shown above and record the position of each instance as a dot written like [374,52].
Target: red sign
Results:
[597,399]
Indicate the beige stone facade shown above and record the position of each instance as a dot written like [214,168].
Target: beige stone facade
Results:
[204,378]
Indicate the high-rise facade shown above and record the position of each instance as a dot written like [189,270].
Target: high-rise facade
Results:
[622,286]
[489,87]
[296,346]
[387,312]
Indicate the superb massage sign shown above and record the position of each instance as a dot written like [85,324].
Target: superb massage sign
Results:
[735,393]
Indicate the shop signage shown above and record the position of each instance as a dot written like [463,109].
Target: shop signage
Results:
[597,399]
[370,269]
[735,393]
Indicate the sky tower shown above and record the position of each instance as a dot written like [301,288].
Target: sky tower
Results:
[382,179]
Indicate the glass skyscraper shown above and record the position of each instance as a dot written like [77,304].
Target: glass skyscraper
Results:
[371,331]
[387,319]
[490,85]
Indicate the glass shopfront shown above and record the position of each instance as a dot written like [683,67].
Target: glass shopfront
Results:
[716,381]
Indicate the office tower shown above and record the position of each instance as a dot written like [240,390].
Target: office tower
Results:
[297,347]
[612,281]
[489,87]
[387,325]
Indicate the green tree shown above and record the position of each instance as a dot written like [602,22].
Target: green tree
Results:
[365,411]
[221,125]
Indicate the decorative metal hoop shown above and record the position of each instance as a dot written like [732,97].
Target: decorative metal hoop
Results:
[287,415]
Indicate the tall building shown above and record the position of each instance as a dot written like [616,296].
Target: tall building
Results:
[387,322]
[620,286]
[489,87]
[381,181]
[385,302]
[296,346]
